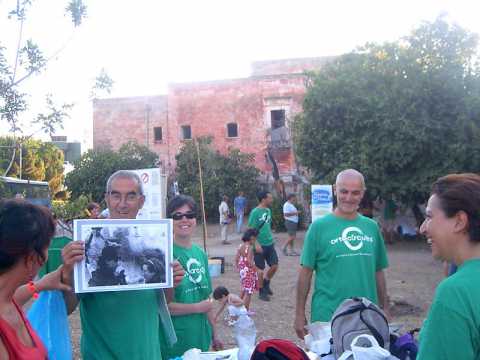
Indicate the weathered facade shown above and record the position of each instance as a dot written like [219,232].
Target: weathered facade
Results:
[253,114]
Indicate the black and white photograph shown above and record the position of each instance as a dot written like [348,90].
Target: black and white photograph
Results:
[124,255]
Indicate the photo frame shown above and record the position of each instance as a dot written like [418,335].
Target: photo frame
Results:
[124,254]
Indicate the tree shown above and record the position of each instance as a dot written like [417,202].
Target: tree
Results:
[29,60]
[40,161]
[402,113]
[93,169]
[222,174]
[103,84]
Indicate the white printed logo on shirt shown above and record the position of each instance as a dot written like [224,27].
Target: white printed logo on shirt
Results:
[353,238]
[195,271]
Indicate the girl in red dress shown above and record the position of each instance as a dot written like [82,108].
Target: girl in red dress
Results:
[246,266]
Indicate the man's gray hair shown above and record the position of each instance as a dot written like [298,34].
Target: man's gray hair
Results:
[351,173]
[125,174]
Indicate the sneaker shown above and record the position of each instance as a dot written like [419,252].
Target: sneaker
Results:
[266,286]
[294,253]
[284,251]
[262,295]
[226,243]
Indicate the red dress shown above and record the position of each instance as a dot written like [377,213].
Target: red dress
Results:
[15,348]
[248,272]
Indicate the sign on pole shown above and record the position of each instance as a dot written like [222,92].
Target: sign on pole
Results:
[322,200]
[154,188]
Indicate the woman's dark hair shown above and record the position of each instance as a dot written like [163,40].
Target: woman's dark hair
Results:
[461,192]
[247,235]
[178,201]
[24,228]
[93,205]
[220,292]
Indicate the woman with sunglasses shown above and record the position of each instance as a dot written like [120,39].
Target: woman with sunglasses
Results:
[25,234]
[452,226]
[191,308]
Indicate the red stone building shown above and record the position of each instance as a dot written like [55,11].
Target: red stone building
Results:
[253,114]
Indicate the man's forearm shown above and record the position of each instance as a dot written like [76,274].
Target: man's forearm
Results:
[303,288]
[71,301]
[381,289]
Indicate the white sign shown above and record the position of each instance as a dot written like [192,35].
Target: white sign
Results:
[154,186]
[322,201]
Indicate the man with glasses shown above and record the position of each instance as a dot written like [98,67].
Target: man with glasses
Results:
[124,324]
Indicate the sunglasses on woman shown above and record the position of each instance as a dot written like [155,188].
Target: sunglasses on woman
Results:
[188,215]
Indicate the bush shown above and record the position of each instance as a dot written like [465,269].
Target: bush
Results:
[70,209]
[222,175]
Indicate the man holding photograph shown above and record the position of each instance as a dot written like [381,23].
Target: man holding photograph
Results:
[123,324]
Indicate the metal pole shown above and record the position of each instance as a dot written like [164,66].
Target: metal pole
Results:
[21,162]
[148,108]
[202,199]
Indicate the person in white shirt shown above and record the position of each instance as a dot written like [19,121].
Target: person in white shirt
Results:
[290,214]
[224,220]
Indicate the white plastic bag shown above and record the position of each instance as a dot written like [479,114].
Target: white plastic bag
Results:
[361,352]
[244,331]
[245,334]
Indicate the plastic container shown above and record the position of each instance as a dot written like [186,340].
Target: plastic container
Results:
[214,267]
[222,259]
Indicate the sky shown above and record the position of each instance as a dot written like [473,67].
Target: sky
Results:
[146,44]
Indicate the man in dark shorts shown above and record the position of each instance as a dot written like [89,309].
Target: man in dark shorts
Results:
[290,215]
[261,219]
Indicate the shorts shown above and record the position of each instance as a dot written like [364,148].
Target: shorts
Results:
[291,227]
[269,255]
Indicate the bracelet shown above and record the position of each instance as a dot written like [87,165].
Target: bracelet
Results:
[31,287]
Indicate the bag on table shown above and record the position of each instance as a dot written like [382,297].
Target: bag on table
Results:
[48,317]
[278,349]
[354,317]
[365,347]
[404,347]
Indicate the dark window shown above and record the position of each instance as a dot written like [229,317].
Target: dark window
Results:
[186,132]
[232,130]
[277,118]
[157,134]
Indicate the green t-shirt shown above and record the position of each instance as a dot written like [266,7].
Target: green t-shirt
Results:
[260,216]
[390,210]
[120,325]
[452,328]
[54,255]
[345,255]
[193,330]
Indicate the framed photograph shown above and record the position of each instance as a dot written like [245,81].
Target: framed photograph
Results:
[124,255]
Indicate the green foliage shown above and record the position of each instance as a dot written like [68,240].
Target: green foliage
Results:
[402,113]
[93,169]
[77,11]
[29,60]
[40,161]
[222,174]
[278,222]
[71,209]
[103,84]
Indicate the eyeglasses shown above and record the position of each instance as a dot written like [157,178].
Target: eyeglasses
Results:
[130,197]
[188,215]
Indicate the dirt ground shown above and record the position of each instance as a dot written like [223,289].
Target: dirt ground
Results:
[411,281]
